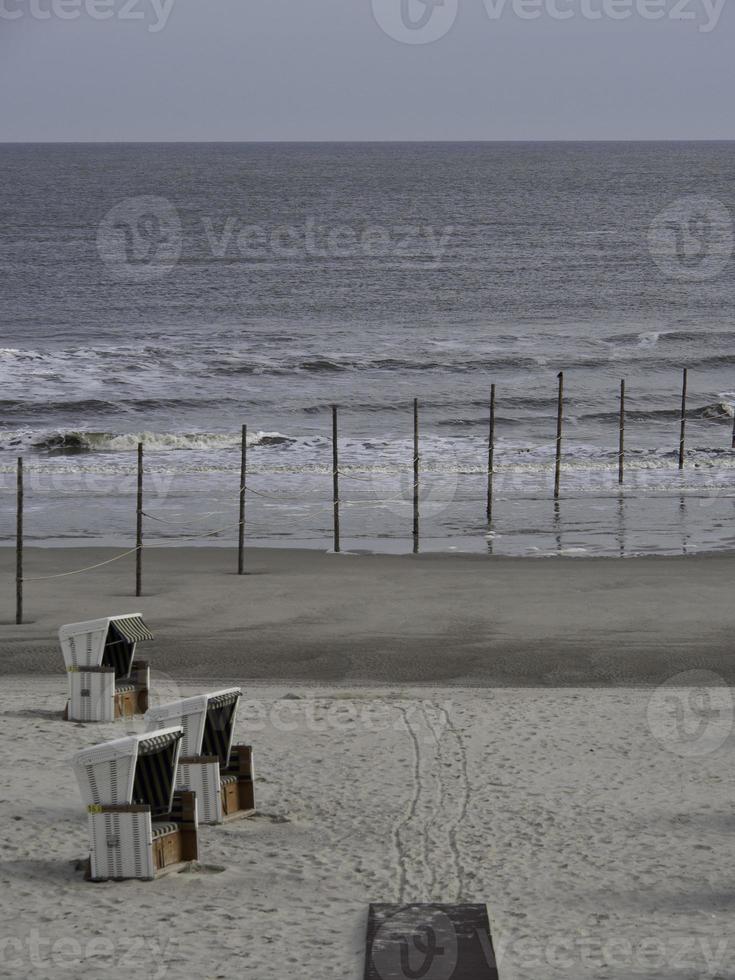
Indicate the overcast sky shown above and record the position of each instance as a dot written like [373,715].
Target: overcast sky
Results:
[366,69]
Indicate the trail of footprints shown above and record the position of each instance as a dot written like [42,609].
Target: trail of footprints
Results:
[429,864]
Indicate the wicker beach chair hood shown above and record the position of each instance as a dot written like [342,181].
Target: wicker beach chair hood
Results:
[208,722]
[104,642]
[131,770]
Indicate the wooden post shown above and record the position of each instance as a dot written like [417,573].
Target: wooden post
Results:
[491,456]
[241,526]
[559,433]
[335,479]
[733,428]
[621,445]
[682,434]
[19,546]
[415,476]
[139,527]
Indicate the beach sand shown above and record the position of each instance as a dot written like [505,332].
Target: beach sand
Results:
[427,729]
[601,850]
[452,619]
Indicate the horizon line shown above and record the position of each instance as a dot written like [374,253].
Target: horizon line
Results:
[359,142]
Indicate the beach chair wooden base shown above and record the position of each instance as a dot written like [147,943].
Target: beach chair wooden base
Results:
[222,795]
[94,695]
[131,695]
[128,844]
[238,784]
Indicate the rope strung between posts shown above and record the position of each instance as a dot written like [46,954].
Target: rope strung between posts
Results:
[276,496]
[377,473]
[78,571]
[186,537]
[328,503]
[207,534]
[132,551]
[283,496]
[203,517]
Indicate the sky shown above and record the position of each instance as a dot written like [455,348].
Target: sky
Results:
[366,69]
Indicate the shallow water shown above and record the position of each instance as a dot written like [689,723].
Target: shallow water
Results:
[369,275]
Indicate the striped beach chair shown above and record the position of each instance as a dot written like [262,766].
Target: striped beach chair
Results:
[220,773]
[140,825]
[105,680]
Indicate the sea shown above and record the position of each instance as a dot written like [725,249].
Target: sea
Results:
[168,294]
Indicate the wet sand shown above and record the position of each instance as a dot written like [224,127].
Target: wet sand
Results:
[450,619]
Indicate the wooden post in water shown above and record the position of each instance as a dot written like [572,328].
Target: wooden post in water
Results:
[139,527]
[241,525]
[335,478]
[415,476]
[621,444]
[733,428]
[559,434]
[682,435]
[19,545]
[491,456]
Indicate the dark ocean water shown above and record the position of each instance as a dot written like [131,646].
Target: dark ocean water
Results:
[174,292]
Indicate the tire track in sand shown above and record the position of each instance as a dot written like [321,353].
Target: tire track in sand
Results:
[425,838]
[403,837]
[453,765]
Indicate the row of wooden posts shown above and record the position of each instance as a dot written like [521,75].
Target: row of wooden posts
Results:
[140,513]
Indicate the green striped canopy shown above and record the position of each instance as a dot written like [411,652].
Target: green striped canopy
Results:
[132,629]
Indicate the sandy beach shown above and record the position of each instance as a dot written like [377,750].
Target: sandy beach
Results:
[427,729]
[452,619]
[601,848]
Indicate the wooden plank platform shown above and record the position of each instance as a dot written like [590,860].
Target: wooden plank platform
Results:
[429,942]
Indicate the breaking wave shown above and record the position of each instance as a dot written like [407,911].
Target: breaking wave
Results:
[650,338]
[80,441]
[717,412]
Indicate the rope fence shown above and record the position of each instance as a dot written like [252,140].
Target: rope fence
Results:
[78,571]
[411,470]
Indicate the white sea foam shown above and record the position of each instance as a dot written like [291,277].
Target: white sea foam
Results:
[110,442]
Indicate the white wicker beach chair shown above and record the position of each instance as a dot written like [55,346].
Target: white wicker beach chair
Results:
[105,681]
[140,826]
[220,773]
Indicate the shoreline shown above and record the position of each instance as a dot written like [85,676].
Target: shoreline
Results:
[453,619]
